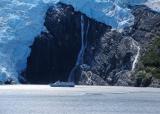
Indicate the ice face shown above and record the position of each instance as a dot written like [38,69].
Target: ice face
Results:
[110,12]
[153,4]
[22,20]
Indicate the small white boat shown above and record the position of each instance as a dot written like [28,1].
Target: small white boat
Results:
[62,84]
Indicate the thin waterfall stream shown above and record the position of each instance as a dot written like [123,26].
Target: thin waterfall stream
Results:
[80,55]
[136,57]
[80,61]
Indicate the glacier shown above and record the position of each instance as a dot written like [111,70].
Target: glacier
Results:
[22,20]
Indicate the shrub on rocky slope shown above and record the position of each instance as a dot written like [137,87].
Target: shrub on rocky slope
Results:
[150,65]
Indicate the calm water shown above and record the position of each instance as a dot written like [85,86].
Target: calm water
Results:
[79,100]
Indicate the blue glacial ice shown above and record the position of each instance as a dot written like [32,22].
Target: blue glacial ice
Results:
[22,20]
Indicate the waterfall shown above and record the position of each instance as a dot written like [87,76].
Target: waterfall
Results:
[136,57]
[82,50]
[80,55]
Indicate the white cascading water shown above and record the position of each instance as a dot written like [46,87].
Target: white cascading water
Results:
[135,44]
[22,20]
[82,50]
[80,55]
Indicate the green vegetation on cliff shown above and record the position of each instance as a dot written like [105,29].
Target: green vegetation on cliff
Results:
[151,60]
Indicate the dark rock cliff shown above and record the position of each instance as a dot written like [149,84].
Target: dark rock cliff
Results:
[110,57]
[115,59]
[54,52]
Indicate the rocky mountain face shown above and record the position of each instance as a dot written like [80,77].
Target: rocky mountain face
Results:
[146,32]
[80,49]
[55,52]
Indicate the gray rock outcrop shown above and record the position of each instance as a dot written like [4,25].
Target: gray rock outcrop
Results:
[110,57]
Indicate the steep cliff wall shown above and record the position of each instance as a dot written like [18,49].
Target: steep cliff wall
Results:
[104,56]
